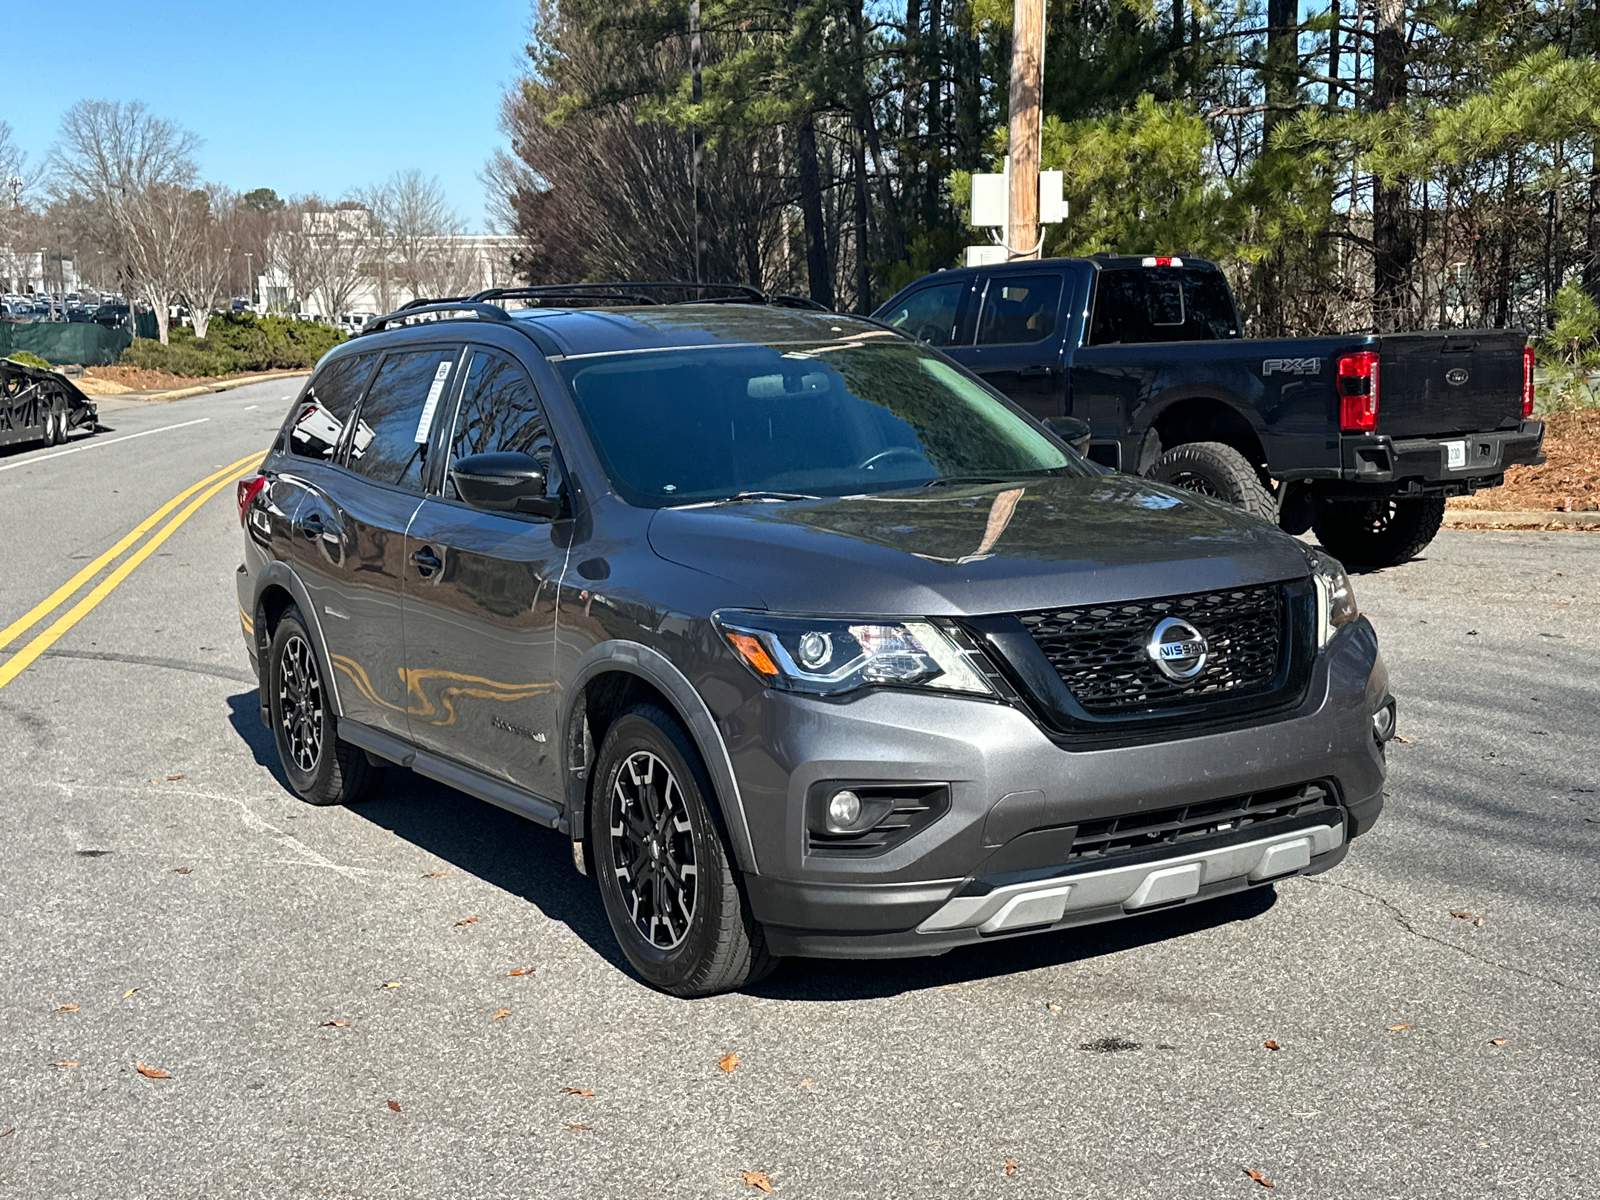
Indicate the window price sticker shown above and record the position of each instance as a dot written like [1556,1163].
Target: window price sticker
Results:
[434,392]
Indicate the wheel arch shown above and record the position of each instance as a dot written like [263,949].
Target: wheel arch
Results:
[1202,417]
[611,678]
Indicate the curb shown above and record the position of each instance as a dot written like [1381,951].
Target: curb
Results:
[205,388]
[1469,518]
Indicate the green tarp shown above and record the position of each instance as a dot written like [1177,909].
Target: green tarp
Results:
[60,342]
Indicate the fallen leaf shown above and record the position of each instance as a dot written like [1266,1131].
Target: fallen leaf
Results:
[1402,1025]
[756,1180]
[1461,916]
[67,1008]
[436,874]
[1011,1166]
[467,921]
[1497,1041]
[1054,1007]
[339,1024]
[1270,1044]
[1479,921]
[1259,1178]
[181,870]
[129,992]
[1403,740]
[572,1091]
[150,1072]
[7,1131]
[498,1013]
[573,1125]
[728,1062]
[394,1105]
[174,778]
[515,971]
[65,1062]
[389,983]
[806,1082]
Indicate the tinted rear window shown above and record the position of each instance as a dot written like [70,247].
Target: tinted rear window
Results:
[1162,304]
[320,416]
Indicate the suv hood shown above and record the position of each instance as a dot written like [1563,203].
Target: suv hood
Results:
[979,550]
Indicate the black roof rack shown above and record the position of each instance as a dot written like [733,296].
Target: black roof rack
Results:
[422,307]
[628,292]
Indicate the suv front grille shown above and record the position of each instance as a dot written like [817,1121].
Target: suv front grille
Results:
[1192,822]
[1099,650]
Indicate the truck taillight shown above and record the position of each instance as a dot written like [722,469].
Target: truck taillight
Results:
[1358,392]
[1161,260]
[247,492]
[1527,381]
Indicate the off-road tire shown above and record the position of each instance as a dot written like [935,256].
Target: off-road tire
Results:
[320,766]
[1378,533]
[55,427]
[722,947]
[1213,469]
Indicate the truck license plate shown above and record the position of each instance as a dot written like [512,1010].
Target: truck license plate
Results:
[1455,455]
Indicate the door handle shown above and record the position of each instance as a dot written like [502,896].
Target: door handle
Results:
[1037,371]
[426,561]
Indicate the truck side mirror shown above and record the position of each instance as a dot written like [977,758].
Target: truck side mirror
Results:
[1072,431]
[504,481]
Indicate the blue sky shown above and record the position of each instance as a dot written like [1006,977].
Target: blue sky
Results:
[288,94]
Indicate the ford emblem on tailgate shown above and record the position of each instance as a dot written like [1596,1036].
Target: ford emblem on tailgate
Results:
[1178,649]
[1456,376]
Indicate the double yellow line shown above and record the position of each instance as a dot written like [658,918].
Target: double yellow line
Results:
[23,658]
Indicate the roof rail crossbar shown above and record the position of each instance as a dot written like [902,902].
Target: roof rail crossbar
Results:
[484,312]
[634,290]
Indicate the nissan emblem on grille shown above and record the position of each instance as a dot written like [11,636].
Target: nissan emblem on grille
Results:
[1178,649]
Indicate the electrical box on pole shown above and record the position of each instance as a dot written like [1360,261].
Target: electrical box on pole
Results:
[991,204]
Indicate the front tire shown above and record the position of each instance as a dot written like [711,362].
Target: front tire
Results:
[669,886]
[1213,469]
[1378,533]
[322,768]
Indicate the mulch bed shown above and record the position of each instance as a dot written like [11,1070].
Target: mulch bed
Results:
[1568,482]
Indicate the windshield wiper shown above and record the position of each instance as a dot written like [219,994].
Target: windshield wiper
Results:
[748,497]
[960,480]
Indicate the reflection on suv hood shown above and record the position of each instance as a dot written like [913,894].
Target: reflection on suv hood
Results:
[980,549]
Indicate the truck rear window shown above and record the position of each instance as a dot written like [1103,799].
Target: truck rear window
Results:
[1162,304]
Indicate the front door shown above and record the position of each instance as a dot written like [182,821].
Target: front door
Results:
[1017,348]
[480,599]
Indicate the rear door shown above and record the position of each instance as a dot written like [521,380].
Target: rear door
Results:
[1017,345]
[1433,384]
[480,596]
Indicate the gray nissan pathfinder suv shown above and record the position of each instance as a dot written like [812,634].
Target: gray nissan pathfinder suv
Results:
[813,643]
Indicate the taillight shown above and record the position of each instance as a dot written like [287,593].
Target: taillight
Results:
[247,492]
[1358,392]
[1161,260]
[1527,381]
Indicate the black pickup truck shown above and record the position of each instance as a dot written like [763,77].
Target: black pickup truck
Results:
[1360,436]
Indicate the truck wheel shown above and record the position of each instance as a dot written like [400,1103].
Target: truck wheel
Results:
[321,767]
[1213,469]
[670,889]
[1378,533]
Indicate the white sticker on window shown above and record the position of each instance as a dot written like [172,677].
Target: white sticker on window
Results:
[425,423]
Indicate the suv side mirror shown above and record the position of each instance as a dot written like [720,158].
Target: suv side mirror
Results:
[504,481]
[1072,431]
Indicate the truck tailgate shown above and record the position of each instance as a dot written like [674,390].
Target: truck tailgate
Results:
[1431,384]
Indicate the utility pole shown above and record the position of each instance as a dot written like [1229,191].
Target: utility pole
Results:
[1023,235]
[697,171]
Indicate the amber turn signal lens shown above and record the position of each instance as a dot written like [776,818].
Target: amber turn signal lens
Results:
[753,652]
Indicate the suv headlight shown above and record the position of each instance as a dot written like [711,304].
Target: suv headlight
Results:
[1336,599]
[826,656]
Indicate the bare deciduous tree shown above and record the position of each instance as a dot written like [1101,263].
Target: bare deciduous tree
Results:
[205,276]
[413,227]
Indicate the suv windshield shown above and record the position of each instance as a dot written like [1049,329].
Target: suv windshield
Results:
[680,426]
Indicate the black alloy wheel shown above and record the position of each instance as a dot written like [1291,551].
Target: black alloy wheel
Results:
[1219,471]
[321,767]
[670,888]
[652,849]
[1378,533]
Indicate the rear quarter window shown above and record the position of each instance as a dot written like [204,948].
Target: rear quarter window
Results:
[320,416]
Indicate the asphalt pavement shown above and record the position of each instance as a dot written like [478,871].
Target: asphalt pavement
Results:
[419,997]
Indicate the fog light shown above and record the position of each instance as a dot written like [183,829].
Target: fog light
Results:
[1383,722]
[844,810]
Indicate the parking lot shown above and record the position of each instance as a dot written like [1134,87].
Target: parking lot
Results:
[419,996]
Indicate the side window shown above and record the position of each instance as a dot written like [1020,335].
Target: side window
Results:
[931,313]
[390,442]
[1162,305]
[499,410]
[1018,309]
[320,417]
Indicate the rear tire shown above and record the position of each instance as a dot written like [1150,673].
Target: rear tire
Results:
[322,768]
[1217,470]
[669,885]
[1378,533]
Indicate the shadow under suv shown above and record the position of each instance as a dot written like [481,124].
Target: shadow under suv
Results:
[813,643]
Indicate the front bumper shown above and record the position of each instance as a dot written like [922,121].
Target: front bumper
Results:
[1423,464]
[997,863]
